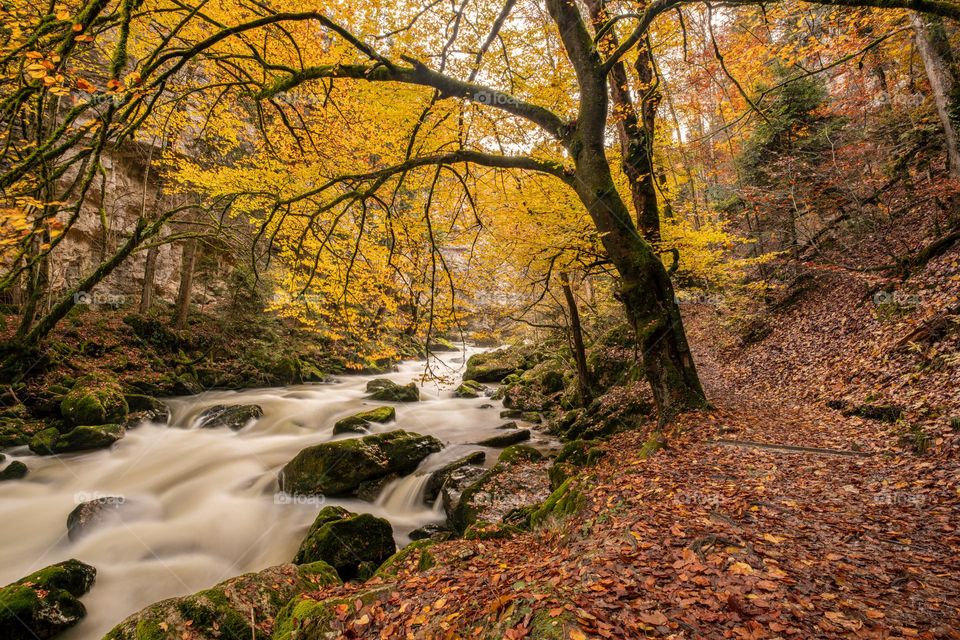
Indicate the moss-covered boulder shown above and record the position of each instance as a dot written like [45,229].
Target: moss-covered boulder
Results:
[389,391]
[416,552]
[307,619]
[440,476]
[441,345]
[469,389]
[564,501]
[233,417]
[45,603]
[359,422]
[16,470]
[44,442]
[519,453]
[238,608]
[505,439]
[339,468]
[94,401]
[145,408]
[494,366]
[90,437]
[345,541]
[572,458]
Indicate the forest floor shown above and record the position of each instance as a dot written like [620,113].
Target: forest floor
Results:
[707,539]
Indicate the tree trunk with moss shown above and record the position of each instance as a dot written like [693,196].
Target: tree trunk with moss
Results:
[933,45]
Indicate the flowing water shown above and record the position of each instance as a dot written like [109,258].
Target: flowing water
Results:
[201,505]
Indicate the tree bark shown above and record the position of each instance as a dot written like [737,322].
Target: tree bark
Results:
[149,277]
[584,382]
[187,265]
[942,73]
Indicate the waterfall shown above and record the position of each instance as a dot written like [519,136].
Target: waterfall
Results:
[404,495]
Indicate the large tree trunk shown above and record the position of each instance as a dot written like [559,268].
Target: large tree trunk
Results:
[934,49]
[187,266]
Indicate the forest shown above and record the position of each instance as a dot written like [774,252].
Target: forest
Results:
[548,319]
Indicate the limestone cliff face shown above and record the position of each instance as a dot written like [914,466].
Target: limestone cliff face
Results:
[125,191]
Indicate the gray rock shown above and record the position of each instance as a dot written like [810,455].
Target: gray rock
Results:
[89,514]
[235,417]
[506,439]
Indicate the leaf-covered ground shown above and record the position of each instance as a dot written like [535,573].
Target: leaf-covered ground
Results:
[710,540]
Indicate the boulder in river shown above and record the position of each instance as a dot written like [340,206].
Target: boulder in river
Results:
[506,438]
[83,438]
[437,479]
[345,540]
[88,514]
[389,391]
[358,422]
[16,470]
[520,453]
[494,366]
[145,408]
[338,468]
[469,389]
[45,603]
[94,401]
[223,611]
[456,484]
[235,417]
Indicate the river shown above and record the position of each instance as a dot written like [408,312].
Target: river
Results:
[201,505]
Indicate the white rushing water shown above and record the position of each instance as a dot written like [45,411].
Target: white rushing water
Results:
[201,505]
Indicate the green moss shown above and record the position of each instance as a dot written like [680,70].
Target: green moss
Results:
[564,501]
[345,541]
[391,567]
[359,421]
[469,389]
[519,453]
[315,619]
[89,437]
[94,401]
[45,442]
[389,391]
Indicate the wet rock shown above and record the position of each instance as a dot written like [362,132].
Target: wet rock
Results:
[359,422]
[370,490]
[506,439]
[145,408]
[16,470]
[94,401]
[345,541]
[455,485]
[441,345]
[87,515]
[519,453]
[223,612]
[439,477]
[82,438]
[339,468]
[435,532]
[494,366]
[45,603]
[511,413]
[389,391]
[235,417]
[469,389]
[498,492]
[508,425]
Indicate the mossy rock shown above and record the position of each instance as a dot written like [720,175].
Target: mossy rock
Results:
[339,468]
[94,401]
[224,611]
[566,500]
[234,417]
[45,442]
[464,512]
[84,438]
[417,549]
[16,470]
[490,531]
[441,345]
[359,422]
[494,366]
[505,439]
[145,408]
[304,618]
[345,540]
[46,602]
[469,389]
[519,453]
[384,390]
